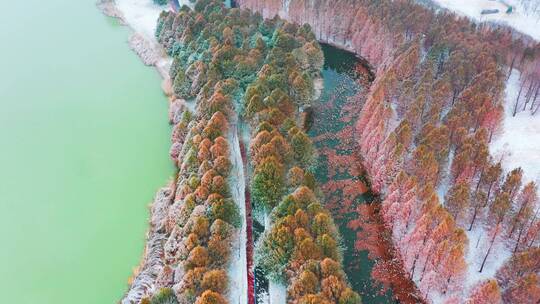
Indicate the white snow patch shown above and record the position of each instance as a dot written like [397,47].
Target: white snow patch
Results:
[519,143]
[191,104]
[141,15]
[277,293]
[521,19]
[446,179]
[478,246]
[238,267]
[163,66]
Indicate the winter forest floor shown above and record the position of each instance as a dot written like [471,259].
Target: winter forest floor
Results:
[518,144]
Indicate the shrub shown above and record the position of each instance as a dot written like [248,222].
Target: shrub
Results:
[211,297]
[164,296]
[215,280]
[227,211]
[268,183]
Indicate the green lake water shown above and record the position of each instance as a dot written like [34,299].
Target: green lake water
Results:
[83,148]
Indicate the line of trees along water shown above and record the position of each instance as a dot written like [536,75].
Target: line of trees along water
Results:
[234,61]
[344,184]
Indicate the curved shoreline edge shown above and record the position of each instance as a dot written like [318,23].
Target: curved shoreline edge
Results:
[152,273]
[145,275]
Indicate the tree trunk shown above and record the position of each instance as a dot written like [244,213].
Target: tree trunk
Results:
[413,266]
[490,246]
[517,101]
[514,225]
[425,265]
[532,223]
[473,218]
[511,67]
[534,99]
[532,240]
[519,239]
[447,284]
[536,109]
[479,180]
[488,195]
[454,97]
[528,96]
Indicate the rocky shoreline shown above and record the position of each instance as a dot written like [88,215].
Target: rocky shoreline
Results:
[145,277]
[108,8]
[150,53]
[148,50]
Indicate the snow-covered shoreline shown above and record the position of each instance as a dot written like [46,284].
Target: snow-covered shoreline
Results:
[144,277]
[141,16]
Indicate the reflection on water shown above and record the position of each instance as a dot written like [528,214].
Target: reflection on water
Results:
[341,183]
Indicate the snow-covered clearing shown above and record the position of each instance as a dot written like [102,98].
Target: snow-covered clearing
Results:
[519,143]
[141,15]
[238,267]
[479,240]
[522,19]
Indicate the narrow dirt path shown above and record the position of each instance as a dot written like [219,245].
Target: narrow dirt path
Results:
[248,230]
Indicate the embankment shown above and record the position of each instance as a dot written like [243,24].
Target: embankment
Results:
[150,274]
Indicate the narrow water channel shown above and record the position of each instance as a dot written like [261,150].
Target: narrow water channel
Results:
[341,182]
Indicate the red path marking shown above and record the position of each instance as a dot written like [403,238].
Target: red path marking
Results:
[249,232]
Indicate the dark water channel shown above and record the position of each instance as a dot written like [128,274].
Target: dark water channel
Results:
[334,115]
[332,132]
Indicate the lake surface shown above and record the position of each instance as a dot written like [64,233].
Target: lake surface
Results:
[84,147]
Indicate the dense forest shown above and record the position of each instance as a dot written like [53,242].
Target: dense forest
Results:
[243,72]
[424,133]
[458,227]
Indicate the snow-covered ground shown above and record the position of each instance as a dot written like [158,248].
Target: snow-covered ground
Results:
[516,145]
[238,269]
[141,15]
[277,293]
[479,240]
[519,143]
[521,19]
